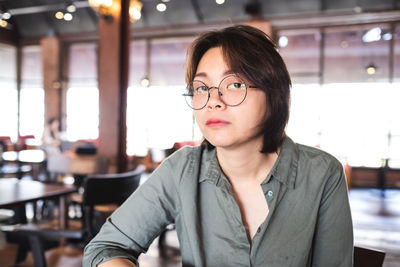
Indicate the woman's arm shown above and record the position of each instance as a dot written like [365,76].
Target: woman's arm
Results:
[333,238]
[131,229]
[117,262]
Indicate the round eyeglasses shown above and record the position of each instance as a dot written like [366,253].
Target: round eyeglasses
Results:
[231,90]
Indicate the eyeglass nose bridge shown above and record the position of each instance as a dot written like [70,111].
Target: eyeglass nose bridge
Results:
[213,87]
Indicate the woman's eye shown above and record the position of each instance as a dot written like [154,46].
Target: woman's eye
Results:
[201,89]
[233,86]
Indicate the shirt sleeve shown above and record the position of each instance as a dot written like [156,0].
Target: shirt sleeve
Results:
[130,230]
[333,239]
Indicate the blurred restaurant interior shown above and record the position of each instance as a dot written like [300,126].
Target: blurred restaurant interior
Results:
[110,75]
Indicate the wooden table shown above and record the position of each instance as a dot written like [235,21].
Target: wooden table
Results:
[16,193]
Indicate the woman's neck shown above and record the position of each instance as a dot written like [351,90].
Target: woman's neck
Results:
[246,163]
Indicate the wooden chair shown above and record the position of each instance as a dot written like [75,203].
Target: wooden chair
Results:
[98,190]
[365,257]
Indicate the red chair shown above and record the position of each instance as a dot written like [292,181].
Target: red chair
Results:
[21,144]
[5,143]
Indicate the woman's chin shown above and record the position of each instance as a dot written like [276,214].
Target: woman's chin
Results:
[219,143]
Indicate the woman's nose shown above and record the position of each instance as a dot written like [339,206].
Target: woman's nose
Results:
[215,99]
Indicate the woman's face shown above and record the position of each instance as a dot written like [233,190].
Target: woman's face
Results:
[226,126]
[54,125]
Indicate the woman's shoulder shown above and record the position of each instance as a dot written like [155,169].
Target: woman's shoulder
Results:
[318,168]
[186,159]
[317,157]
[186,153]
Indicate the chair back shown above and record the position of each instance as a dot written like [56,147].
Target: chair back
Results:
[365,257]
[101,189]
[104,189]
[21,144]
[5,142]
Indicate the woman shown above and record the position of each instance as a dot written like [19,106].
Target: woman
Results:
[51,139]
[249,196]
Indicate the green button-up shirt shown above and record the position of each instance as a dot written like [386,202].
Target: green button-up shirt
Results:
[308,224]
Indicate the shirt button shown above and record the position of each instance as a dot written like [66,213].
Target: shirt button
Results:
[270,193]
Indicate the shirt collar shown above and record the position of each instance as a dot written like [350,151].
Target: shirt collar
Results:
[211,171]
[284,169]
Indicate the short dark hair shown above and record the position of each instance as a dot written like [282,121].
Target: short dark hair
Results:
[251,53]
[51,120]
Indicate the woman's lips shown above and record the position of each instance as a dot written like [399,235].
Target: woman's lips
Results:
[216,123]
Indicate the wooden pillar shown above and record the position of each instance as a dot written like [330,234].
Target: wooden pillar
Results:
[51,76]
[263,25]
[64,74]
[113,83]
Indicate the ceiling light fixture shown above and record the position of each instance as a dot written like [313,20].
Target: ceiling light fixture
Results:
[3,23]
[59,15]
[220,2]
[372,35]
[344,44]
[283,41]
[371,69]
[71,8]
[145,82]
[135,10]
[161,7]
[5,16]
[357,9]
[68,17]
[103,8]
[387,36]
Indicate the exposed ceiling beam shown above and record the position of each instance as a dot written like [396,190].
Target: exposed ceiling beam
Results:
[144,18]
[45,8]
[53,29]
[278,23]
[93,16]
[334,19]
[196,9]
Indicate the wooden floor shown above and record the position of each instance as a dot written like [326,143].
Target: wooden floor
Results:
[376,222]
[376,225]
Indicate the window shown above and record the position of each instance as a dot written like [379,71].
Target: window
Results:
[354,122]
[83,93]
[393,113]
[301,51]
[157,116]
[396,39]
[353,114]
[352,54]
[32,93]
[8,92]
[305,114]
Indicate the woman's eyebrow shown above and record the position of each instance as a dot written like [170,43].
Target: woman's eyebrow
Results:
[203,74]
[228,72]
[200,74]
